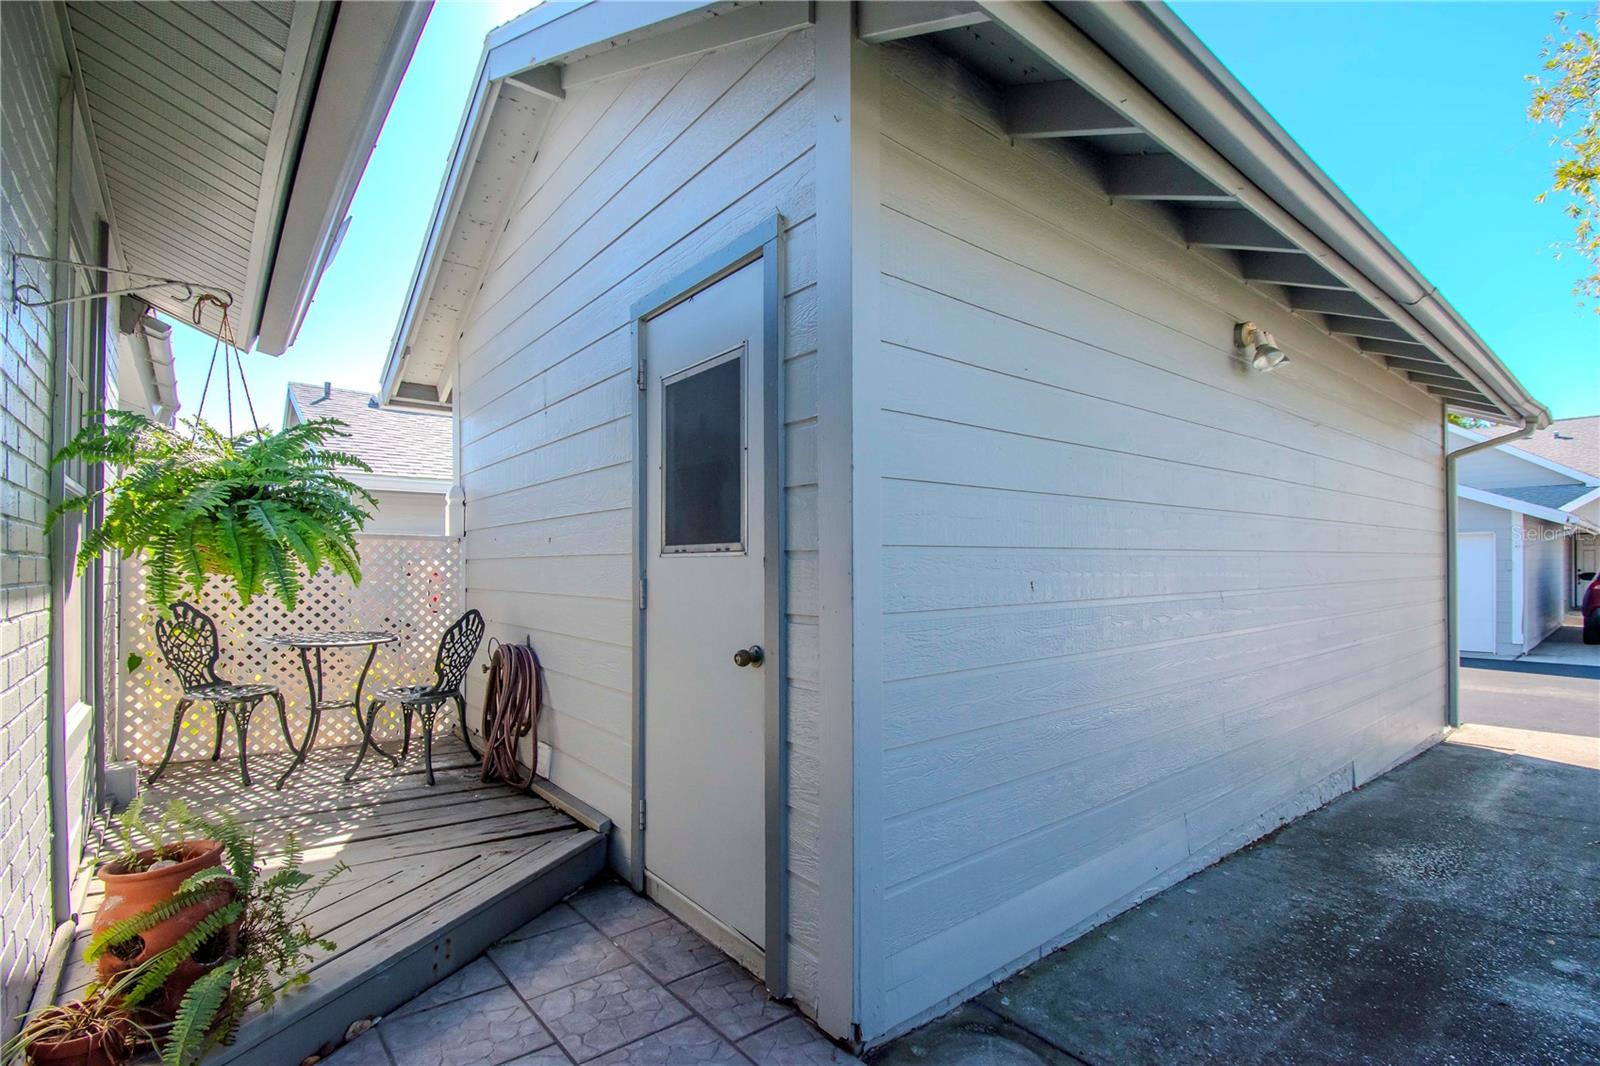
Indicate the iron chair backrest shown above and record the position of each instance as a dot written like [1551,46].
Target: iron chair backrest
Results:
[456,650]
[188,641]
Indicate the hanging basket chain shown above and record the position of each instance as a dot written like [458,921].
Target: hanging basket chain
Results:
[231,357]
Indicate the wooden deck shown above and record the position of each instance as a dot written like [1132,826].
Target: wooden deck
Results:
[436,875]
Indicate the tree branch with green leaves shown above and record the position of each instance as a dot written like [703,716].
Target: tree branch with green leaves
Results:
[1567,96]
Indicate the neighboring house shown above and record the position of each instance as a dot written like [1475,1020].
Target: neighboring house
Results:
[1573,443]
[1519,544]
[411,453]
[216,145]
[898,340]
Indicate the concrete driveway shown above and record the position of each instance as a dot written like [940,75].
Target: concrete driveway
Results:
[1445,913]
[1566,645]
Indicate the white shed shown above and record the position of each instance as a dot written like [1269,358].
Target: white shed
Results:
[849,408]
[1524,539]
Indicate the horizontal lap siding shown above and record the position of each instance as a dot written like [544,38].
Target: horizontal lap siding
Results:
[1139,607]
[1545,577]
[639,177]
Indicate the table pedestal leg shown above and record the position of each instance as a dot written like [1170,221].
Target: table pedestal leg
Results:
[313,712]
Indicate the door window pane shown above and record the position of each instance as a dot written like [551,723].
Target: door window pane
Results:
[702,459]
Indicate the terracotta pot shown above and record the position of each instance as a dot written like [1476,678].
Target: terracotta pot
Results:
[128,894]
[100,1049]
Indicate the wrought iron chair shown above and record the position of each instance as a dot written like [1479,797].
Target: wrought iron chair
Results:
[456,650]
[188,642]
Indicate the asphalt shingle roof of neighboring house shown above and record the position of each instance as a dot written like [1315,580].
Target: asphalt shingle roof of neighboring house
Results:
[1556,496]
[391,441]
[1573,442]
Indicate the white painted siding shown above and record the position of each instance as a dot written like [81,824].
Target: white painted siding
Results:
[639,177]
[1545,570]
[1475,517]
[1139,606]
[408,514]
[30,64]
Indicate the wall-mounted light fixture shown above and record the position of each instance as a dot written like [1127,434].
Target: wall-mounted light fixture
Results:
[1257,347]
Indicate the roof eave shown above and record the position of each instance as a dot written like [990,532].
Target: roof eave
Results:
[1155,47]
[545,35]
[367,52]
[1553,515]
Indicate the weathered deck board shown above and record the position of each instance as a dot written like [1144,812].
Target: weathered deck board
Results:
[436,874]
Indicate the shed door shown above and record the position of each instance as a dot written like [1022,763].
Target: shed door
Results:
[1475,595]
[705,724]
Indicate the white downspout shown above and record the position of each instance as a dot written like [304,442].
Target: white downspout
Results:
[1452,596]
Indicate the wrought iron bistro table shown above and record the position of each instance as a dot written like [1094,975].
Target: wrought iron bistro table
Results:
[311,646]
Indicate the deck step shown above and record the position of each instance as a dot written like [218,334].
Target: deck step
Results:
[415,954]
[436,875]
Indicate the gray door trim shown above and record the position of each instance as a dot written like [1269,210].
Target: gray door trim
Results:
[760,243]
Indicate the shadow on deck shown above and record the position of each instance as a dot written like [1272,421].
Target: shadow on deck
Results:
[436,876]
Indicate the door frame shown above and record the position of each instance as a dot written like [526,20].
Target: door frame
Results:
[760,243]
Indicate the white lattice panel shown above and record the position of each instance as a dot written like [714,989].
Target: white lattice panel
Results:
[408,588]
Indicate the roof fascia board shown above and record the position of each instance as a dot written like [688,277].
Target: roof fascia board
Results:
[368,51]
[1584,500]
[446,206]
[1147,42]
[566,29]
[291,406]
[1533,458]
[547,33]
[398,482]
[310,27]
[709,28]
[1532,510]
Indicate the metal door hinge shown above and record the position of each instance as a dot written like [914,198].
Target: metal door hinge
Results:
[641,815]
[639,376]
[644,591]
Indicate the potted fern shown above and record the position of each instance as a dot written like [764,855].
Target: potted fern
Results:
[167,899]
[193,994]
[261,510]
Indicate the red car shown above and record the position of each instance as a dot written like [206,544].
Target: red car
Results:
[1591,612]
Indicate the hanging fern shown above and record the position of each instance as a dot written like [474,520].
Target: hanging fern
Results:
[262,510]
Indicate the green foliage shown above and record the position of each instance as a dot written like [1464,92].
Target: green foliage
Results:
[191,1028]
[262,510]
[1567,96]
[270,895]
[135,833]
[1466,421]
[102,1012]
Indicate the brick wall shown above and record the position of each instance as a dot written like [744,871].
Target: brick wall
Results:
[29,85]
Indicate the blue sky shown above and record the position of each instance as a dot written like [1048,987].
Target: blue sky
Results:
[1417,110]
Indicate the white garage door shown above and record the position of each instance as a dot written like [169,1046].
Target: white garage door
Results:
[1475,591]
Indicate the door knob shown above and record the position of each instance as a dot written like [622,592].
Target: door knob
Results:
[751,656]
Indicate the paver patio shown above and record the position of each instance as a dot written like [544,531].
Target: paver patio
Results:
[606,977]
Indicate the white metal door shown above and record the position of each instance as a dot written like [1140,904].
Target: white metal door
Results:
[1475,591]
[705,601]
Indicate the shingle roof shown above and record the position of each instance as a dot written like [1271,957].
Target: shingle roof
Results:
[391,441]
[1556,496]
[1573,442]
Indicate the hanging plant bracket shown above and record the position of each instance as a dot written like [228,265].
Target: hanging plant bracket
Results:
[26,294]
